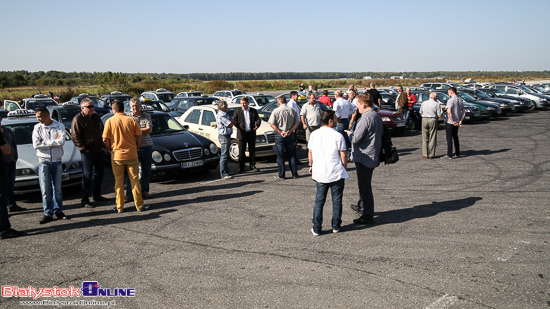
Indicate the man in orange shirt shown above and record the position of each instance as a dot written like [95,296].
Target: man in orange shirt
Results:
[122,136]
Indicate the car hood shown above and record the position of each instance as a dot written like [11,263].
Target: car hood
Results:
[387,113]
[179,140]
[28,159]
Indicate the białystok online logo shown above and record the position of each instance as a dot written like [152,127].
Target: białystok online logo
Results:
[89,289]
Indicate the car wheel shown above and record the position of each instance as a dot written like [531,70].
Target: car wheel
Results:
[234,151]
[411,123]
[534,106]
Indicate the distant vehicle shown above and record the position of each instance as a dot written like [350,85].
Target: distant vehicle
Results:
[182,104]
[522,104]
[227,95]
[186,94]
[106,100]
[441,86]
[202,120]
[504,105]
[37,101]
[65,113]
[26,175]
[539,100]
[160,94]
[97,108]
[254,100]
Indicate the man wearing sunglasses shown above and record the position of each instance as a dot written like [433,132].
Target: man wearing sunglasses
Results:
[86,132]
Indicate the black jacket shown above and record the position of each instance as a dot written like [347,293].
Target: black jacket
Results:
[255,120]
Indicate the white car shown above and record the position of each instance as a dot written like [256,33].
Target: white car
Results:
[26,174]
[254,100]
[227,95]
[201,119]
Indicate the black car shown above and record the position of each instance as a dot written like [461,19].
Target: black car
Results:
[100,110]
[175,149]
[106,100]
[182,104]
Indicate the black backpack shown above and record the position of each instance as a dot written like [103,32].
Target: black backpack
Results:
[388,153]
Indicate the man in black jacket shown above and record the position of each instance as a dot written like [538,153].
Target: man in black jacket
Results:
[247,122]
[86,132]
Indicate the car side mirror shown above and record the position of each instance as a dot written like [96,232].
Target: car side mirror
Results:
[213,124]
[186,127]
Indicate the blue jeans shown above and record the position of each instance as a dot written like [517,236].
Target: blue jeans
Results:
[225,142]
[341,127]
[145,158]
[92,162]
[336,191]
[282,144]
[49,175]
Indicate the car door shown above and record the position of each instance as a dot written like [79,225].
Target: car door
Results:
[11,105]
[207,127]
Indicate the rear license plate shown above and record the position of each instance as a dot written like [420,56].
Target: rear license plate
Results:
[192,164]
[64,176]
[400,124]
[467,117]
[477,114]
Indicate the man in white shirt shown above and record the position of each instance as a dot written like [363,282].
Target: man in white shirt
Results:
[328,161]
[344,110]
[292,102]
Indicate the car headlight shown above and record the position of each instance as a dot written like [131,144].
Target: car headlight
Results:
[24,172]
[468,110]
[75,165]
[386,119]
[504,105]
[213,148]
[157,157]
[490,108]
[167,157]
[206,152]
[260,139]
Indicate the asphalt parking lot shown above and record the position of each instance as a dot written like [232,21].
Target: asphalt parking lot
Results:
[471,232]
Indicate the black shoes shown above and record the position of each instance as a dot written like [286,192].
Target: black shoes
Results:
[61,215]
[17,208]
[254,168]
[356,209]
[11,233]
[45,219]
[241,170]
[86,204]
[363,221]
[101,199]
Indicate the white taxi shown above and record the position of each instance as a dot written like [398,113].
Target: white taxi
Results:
[201,119]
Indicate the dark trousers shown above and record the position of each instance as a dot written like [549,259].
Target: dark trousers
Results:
[4,221]
[11,168]
[92,162]
[366,199]
[283,144]
[248,139]
[452,135]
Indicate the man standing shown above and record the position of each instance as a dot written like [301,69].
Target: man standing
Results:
[48,138]
[375,95]
[402,101]
[344,110]
[292,102]
[122,136]
[86,131]
[366,144]
[10,160]
[284,120]
[311,116]
[247,121]
[145,152]
[430,111]
[328,161]
[325,99]
[455,115]
[225,129]
[5,227]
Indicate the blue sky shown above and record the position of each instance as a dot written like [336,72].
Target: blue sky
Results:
[274,36]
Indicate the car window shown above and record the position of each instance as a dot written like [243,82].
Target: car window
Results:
[205,101]
[22,132]
[185,104]
[194,116]
[11,107]
[217,94]
[163,123]
[207,118]
[166,97]
[512,91]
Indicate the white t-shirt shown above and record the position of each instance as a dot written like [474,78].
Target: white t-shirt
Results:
[325,145]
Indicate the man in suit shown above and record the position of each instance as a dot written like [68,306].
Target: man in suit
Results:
[247,122]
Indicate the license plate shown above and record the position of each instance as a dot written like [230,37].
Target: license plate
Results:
[64,176]
[400,124]
[192,164]
[467,117]
[477,114]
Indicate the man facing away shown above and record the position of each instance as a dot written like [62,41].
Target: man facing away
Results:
[455,115]
[122,136]
[430,111]
[48,138]
[328,161]
[366,144]
[375,95]
[325,99]
[344,110]
[311,116]
[284,120]
[225,129]
[86,133]
[145,152]
[247,122]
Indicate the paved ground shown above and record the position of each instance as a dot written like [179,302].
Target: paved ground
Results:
[466,233]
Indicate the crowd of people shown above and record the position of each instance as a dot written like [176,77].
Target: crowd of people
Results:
[350,131]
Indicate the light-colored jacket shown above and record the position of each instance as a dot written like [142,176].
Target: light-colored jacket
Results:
[46,142]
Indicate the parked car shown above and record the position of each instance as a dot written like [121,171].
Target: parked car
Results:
[521,104]
[441,85]
[504,105]
[472,112]
[201,119]
[26,174]
[182,104]
[487,109]
[175,149]
[65,113]
[37,101]
[254,100]
[539,100]
[227,95]
[100,110]
[186,94]
[160,94]
[106,100]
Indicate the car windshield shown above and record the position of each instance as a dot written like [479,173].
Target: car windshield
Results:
[264,100]
[237,92]
[166,97]
[22,132]
[498,92]
[164,123]
[527,90]
[482,95]
[67,114]
[466,97]
[443,97]
[34,104]
[158,106]
[93,99]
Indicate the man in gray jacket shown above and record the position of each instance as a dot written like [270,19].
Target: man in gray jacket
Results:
[366,143]
[48,138]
